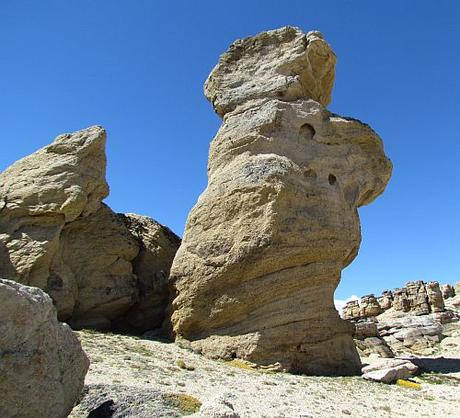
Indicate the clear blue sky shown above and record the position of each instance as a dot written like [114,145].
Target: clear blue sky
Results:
[138,67]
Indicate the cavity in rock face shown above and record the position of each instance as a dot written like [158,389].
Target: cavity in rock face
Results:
[266,242]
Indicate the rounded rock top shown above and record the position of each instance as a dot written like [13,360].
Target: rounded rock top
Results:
[285,64]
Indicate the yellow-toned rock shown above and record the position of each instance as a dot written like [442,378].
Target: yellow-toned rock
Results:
[265,244]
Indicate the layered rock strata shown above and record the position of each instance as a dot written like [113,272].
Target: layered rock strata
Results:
[448,291]
[56,234]
[42,364]
[369,306]
[417,298]
[265,244]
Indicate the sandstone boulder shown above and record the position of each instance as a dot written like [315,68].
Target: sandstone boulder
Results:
[377,346]
[385,300]
[352,310]
[447,291]
[265,244]
[56,234]
[370,307]
[417,297]
[364,329]
[40,193]
[435,299]
[42,364]
[411,333]
[389,370]
[400,300]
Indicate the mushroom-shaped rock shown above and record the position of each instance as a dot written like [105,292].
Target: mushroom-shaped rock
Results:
[265,244]
[42,364]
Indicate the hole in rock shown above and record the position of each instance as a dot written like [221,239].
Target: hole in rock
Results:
[233,355]
[307,132]
[332,179]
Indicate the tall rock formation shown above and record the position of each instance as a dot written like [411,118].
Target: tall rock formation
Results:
[42,364]
[56,234]
[265,244]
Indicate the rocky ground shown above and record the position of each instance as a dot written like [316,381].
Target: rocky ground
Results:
[140,377]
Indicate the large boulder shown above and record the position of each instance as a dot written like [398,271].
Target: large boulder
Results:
[41,193]
[56,234]
[42,364]
[264,246]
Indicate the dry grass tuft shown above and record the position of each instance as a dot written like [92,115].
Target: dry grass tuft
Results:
[186,404]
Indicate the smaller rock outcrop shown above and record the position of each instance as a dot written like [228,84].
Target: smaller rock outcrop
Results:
[158,246]
[389,370]
[400,300]
[42,364]
[352,310]
[386,300]
[369,306]
[448,291]
[417,297]
[103,270]
[409,320]
[435,299]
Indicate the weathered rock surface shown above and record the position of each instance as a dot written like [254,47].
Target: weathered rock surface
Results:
[368,341]
[352,310]
[158,246]
[121,401]
[411,334]
[281,64]
[413,320]
[417,298]
[385,300]
[370,306]
[56,234]
[448,291]
[435,299]
[389,370]
[42,364]
[265,244]
[400,300]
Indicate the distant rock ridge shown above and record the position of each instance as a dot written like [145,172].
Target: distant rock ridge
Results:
[417,297]
[410,320]
[102,269]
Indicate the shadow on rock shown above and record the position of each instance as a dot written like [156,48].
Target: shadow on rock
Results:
[436,364]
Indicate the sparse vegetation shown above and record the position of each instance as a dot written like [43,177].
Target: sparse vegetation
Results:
[408,384]
[186,404]
[181,363]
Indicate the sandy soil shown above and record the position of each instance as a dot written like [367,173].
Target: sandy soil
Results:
[142,364]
